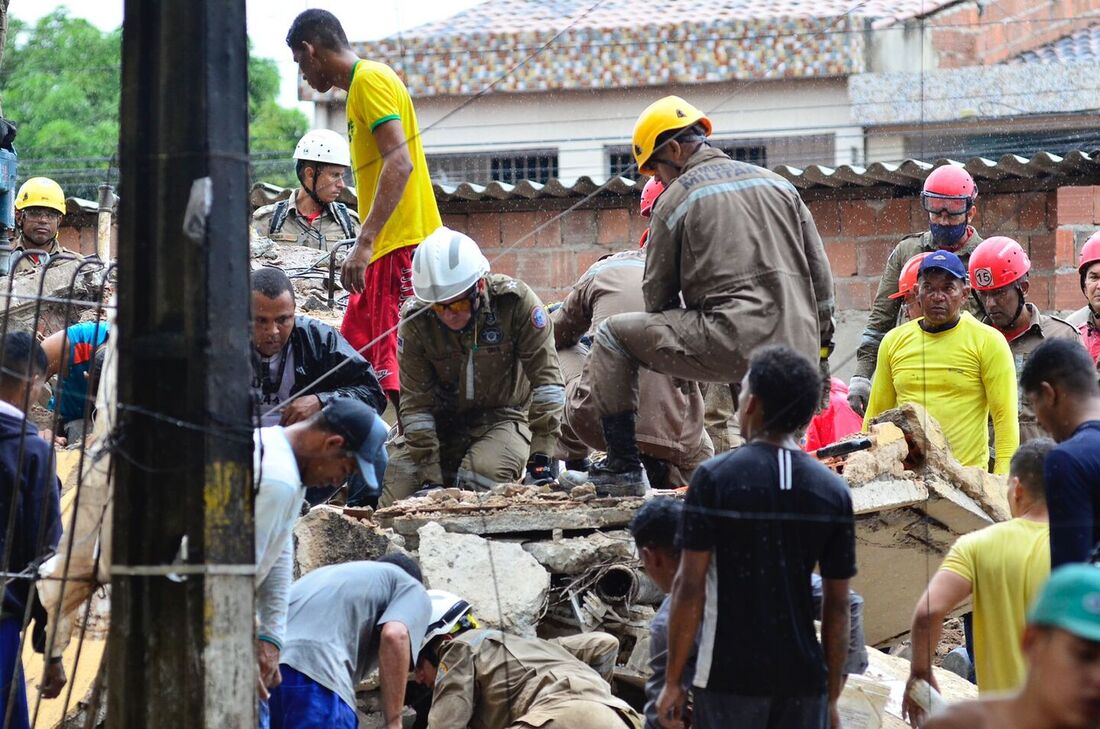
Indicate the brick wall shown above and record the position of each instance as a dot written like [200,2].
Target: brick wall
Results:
[963,36]
[859,234]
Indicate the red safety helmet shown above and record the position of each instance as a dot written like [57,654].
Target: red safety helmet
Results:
[652,190]
[997,262]
[1090,254]
[907,280]
[948,189]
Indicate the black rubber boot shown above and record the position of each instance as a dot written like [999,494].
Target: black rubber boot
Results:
[657,471]
[620,473]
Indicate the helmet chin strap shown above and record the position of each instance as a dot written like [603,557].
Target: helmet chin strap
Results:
[312,193]
[1019,309]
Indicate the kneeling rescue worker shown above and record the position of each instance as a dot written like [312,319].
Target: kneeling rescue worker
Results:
[482,392]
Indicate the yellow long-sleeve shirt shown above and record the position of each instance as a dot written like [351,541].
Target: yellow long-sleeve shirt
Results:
[961,376]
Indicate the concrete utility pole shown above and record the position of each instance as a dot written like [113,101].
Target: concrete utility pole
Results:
[181,653]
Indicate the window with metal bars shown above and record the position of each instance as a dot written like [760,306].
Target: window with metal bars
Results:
[535,165]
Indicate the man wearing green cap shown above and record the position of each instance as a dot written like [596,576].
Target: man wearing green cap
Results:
[1062,646]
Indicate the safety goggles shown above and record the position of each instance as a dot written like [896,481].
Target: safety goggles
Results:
[461,306]
[950,205]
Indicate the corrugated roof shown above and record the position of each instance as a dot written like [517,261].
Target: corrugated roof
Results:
[1080,46]
[910,173]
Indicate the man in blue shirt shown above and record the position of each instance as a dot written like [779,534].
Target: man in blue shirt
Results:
[28,483]
[70,354]
[1060,382]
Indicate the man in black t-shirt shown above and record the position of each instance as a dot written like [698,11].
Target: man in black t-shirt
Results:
[757,522]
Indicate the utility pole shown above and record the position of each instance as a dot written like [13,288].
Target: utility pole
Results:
[181,648]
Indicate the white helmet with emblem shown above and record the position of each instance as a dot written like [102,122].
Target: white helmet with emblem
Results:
[445,265]
[448,610]
[324,146]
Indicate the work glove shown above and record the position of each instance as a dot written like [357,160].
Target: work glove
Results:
[826,384]
[540,469]
[859,392]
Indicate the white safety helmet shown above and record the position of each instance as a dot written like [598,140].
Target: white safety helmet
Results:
[447,610]
[446,264]
[324,146]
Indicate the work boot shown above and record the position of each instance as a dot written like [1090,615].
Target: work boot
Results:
[657,471]
[620,473]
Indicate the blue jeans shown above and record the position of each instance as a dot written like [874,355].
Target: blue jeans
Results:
[299,702]
[11,665]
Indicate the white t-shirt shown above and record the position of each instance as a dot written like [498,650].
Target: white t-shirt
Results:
[279,494]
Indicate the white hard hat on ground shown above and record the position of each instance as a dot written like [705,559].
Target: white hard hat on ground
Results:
[446,264]
[324,146]
[447,610]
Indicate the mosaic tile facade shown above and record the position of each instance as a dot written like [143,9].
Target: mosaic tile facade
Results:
[626,43]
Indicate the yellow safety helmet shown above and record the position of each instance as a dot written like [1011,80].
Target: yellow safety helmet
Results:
[40,192]
[662,116]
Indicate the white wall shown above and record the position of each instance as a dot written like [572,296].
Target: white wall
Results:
[581,124]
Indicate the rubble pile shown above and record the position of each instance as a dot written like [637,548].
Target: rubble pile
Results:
[912,500]
[535,560]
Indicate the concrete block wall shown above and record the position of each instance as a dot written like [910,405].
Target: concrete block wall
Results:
[973,34]
[550,253]
[859,235]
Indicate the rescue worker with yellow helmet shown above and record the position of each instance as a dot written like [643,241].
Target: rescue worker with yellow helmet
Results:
[312,216]
[39,207]
[737,246]
[481,389]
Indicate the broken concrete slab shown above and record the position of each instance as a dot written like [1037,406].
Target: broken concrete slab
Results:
[505,585]
[576,555]
[929,453]
[524,513]
[326,535]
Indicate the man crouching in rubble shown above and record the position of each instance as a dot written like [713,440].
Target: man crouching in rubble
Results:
[292,352]
[486,679]
[481,390]
[345,620]
[322,451]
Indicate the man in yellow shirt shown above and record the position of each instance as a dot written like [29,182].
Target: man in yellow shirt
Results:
[960,370]
[1004,567]
[396,201]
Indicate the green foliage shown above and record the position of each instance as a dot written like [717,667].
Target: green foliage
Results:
[60,84]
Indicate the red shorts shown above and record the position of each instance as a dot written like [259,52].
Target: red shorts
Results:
[375,313]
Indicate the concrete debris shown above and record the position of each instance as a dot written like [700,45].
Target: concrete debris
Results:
[313,302]
[328,535]
[892,672]
[912,500]
[262,247]
[526,511]
[575,556]
[929,453]
[584,492]
[505,585]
